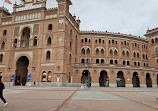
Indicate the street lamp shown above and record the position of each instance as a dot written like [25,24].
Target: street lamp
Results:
[88,66]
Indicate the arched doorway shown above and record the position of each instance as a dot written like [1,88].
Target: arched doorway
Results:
[120,79]
[135,80]
[86,77]
[148,80]
[103,79]
[21,70]
[25,37]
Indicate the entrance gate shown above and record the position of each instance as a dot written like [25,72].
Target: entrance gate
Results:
[21,71]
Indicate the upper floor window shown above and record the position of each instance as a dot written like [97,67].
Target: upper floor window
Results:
[5,32]
[83,51]
[97,61]
[85,39]
[48,55]
[111,61]
[35,41]
[83,61]
[102,61]
[156,50]
[88,51]
[49,41]
[3,45]
[50,27]
[97,51]
[1,58]
[15,43]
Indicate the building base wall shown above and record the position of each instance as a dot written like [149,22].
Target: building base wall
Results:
[55,84]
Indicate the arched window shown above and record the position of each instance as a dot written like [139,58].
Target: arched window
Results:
[44,76]
[15,43]
[143,56]
[138,63]
[128,63]
[82,40]
[97,61]
[123,53]
[83,61]
[134,54]
[113,41]
[116,62]
[111,52]
[156,40]
[49,41]
[50,27]
[48,55]
[25,38]
[135,63]
[124,62]
[156,50]
[146,57]
[99,40]
[88,51]
[102,51]
[115,52]
[85,39]
[111,61]
[102,61]
[152,41]
[83,51]
[1,58]
[35,41]
[70,59]
[127,53]
[97,51]
[137,55]
[125,42]
[5,32]
[3,45]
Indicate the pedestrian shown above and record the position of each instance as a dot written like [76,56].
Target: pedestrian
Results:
[34,84]
[1,93]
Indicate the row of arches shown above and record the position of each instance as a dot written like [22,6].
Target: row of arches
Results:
[120,80]
[114,52]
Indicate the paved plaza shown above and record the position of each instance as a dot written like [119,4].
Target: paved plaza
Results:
[76,99]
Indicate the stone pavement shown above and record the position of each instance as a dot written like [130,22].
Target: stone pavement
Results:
[75,99]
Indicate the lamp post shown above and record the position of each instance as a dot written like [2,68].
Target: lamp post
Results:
[89,66]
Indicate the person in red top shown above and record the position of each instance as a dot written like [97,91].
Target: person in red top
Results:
[1,92]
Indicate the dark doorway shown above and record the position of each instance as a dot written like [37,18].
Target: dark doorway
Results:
[85,77]
[135,80]
[103,79]
[120,79]
[21,71]
[157,79]
[148,80]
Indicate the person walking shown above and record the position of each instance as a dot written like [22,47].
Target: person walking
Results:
[1,93]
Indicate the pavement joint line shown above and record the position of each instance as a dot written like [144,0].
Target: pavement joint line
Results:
[66,100]
[130,99]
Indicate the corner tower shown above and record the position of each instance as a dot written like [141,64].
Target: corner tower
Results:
[63,7]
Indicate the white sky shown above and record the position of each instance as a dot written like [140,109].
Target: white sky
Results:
[125,16]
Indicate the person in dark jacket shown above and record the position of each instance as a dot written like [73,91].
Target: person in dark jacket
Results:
[1,93]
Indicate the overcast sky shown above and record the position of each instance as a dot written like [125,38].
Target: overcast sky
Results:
[125,16]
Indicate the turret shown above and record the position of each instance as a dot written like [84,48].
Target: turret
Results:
[63,7]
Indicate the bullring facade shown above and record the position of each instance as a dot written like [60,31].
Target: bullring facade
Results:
[47,46]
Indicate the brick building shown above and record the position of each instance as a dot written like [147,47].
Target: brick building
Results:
[47,45]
